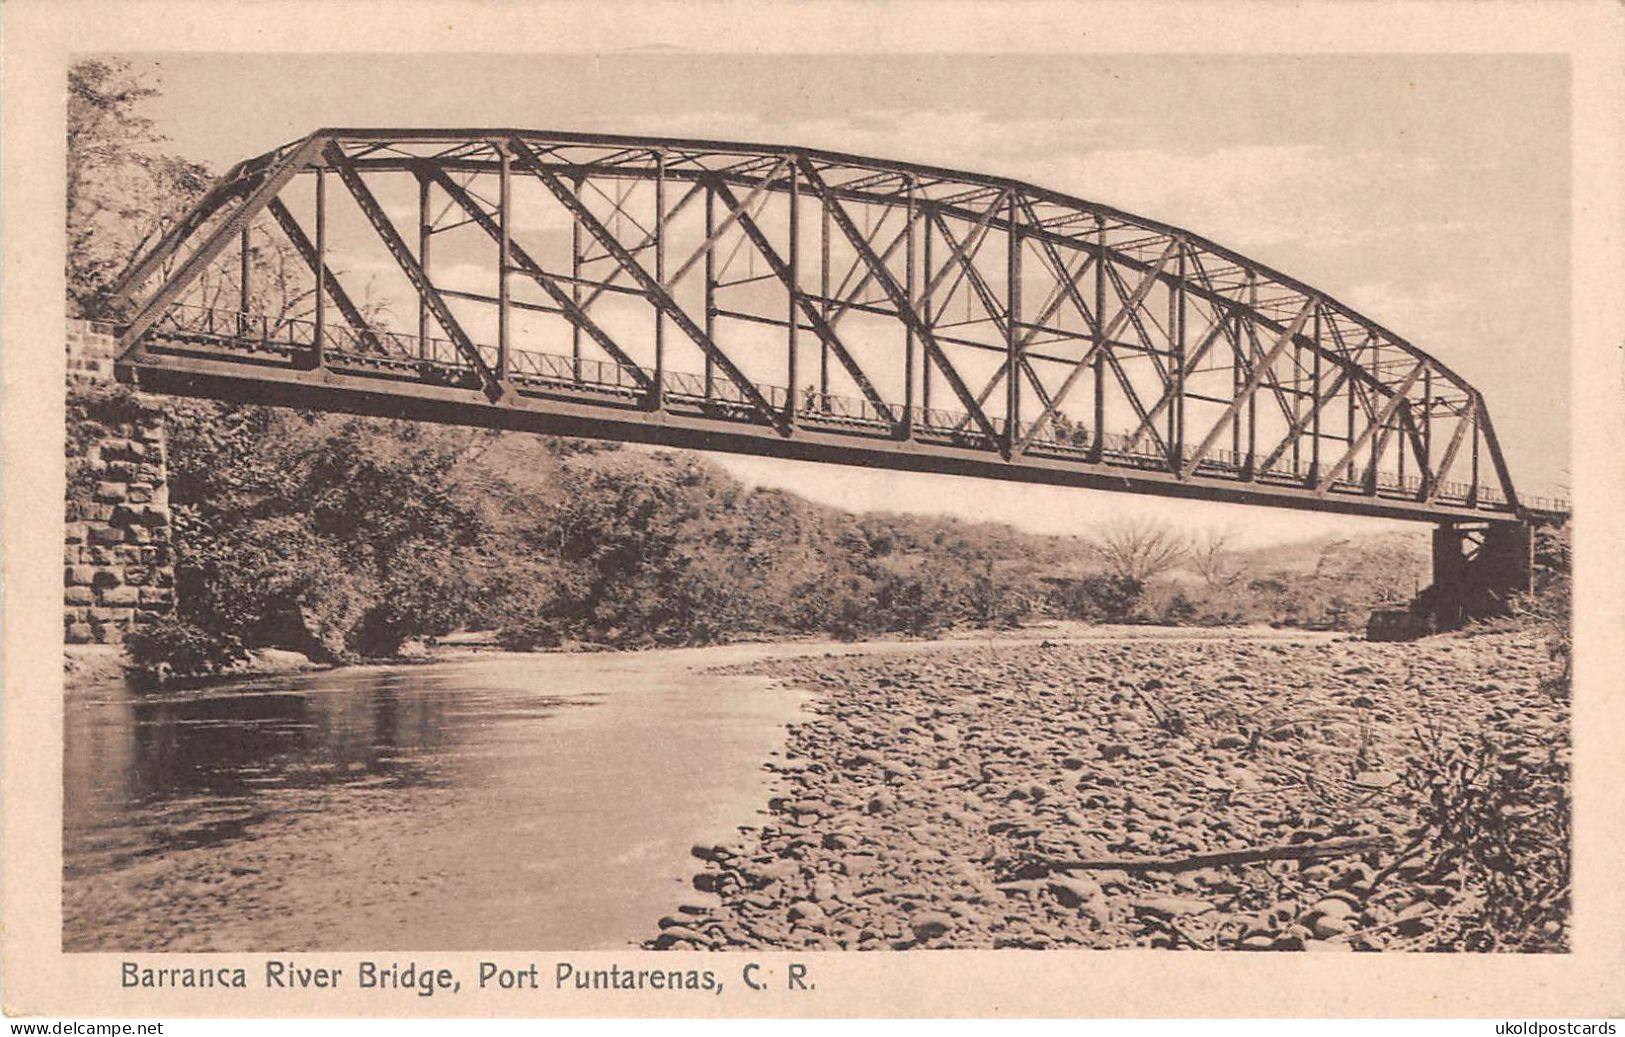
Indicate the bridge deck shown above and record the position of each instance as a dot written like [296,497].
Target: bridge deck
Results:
[225,354]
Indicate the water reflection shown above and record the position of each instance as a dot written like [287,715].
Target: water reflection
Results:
[489,802]
[148,773]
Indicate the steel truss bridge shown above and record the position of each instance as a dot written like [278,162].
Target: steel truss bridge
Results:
[796,303]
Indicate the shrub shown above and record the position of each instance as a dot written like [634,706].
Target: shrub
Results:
[1099,598]
[1496,830]
[1549,607]
[172,647]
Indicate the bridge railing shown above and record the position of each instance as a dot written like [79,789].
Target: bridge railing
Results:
[192,327]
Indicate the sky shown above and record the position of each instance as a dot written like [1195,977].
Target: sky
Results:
[1429,192]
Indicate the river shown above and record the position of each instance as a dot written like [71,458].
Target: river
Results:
[485,802]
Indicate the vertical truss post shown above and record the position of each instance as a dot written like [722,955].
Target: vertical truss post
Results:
[244,299]
[319,341]
[1354,391]
[1297,409]
[1314,441]
[1012,338]
[1378,436]
[1425,461]
[425,236]
[1472,492]
[1176,330]
[575,291]
[930,319]
[504,260]
[657,393]
[1235,384]
[824,307]
[901,304]
[1404,420]
[911,286]
[793,298]
[710,275]
[1252,357]
[1098,437]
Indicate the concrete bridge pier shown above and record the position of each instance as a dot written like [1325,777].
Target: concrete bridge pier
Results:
[1477,568]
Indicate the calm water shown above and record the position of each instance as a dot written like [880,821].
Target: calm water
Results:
[489,802]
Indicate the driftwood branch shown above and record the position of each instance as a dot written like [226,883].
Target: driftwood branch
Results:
[1292,852]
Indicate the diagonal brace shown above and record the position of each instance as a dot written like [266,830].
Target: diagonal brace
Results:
[1304,420]
[523,262]
[1380,421]
[820,327]
[657,296]
[326,276]
[413,270]
[1254,379]
[1147,282]
[899,298]
[181,279]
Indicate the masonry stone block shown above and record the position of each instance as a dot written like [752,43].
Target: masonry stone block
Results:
[117,562]
[120,596]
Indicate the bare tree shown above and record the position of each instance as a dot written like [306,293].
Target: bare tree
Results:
[1214,559]
[1140,549]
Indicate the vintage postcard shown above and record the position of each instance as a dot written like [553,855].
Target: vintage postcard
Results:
[732,510]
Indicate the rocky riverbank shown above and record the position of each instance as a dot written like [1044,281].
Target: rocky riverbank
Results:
[944,799]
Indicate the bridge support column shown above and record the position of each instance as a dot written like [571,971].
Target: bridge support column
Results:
[1477,568]
[118,564]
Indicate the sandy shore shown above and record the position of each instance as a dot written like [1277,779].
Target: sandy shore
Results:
[926,799]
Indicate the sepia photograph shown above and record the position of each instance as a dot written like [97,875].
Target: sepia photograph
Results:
[1176,603]
[679,506]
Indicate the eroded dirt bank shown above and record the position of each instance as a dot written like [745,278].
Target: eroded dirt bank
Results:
[928,798]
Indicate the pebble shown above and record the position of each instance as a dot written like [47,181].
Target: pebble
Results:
[930,924]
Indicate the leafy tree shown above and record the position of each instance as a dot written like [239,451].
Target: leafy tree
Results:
[123,192]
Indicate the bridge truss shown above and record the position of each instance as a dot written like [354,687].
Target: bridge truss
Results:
[795,303]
